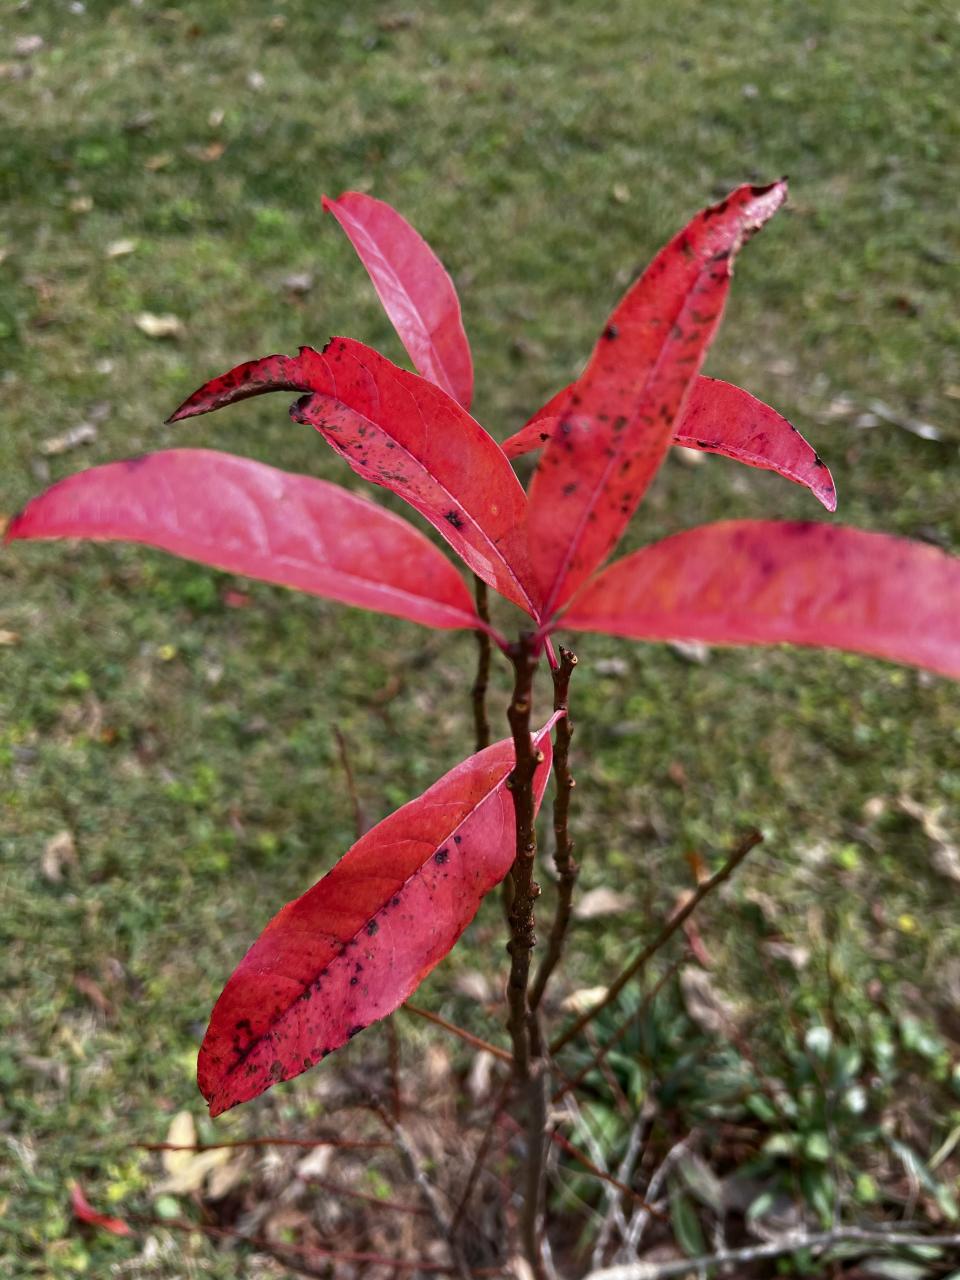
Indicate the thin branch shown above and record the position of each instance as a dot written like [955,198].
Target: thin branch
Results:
[746,843]
[600,1056]
[614,1214]
[537,1103]
[346,1144]
[296,1256]
[525,889]
[483,1149]
[597,1172]
[641,1217]
[567,869]
[359,818]
[415,1171]
[528,1064]
[467,1036]
[349,1193]
[817,1242]
[479,690]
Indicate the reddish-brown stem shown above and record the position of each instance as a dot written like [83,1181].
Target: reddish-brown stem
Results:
[567,869]
[452,1027]
[359,820]
[582,1159]
[296,1256]
[482,1152]
[350,1194]
[479,691]
[525,889]
[345,1144]
[600,1056]
[529,1065]
[748,842]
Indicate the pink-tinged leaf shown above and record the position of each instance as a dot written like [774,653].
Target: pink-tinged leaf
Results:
[84,1211]
[249,518]
[719,418]
[400,431]
[620,415]
[356,945]
[767,582]
[415,289]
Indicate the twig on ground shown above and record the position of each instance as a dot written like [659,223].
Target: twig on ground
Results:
[596,1154]
[600,1056]
[359,817]
[567,869]
[467,1036]
[347,1144]
[614,1215]
[641,1217]
[424,1186]
[351,1194]
[525,889]
[528,1064]
[479,691]
[482,1151]
[295,1256]
[817,1242]
[746,843]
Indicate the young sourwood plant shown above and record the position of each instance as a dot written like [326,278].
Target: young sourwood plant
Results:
[357,944]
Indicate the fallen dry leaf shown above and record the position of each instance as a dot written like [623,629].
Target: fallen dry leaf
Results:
[944,854]
[162,326]
[298,282]
[60,851]
[691,650]
[690,457]
[582,1000]
[82,433]
[711,1011]
[93,992]
[187,1170]
[602,902]
[8,638]
[27,46]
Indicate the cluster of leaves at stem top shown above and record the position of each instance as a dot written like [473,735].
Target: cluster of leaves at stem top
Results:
[353,947]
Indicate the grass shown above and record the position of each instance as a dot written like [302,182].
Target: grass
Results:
[546,152]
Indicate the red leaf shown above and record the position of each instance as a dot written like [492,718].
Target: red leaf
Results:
[249,518]
[719,418]
[417,293]
[400,431]
[83,1211]
[620,414]
[357,944]
[767,582]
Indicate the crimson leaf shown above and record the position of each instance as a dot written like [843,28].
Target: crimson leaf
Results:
[400,431]
[84,1211]
[357,944]
[767,582]
[415,289]
[717,418]
[620,414]
[249,518]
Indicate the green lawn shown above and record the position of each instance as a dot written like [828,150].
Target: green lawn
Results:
[546,151]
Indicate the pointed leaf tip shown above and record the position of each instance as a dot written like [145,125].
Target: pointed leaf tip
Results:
[771,582]
[245,517]
[84,1212]
[356,945]
[415,288]
[619,416]
[407,434]
[721,418]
